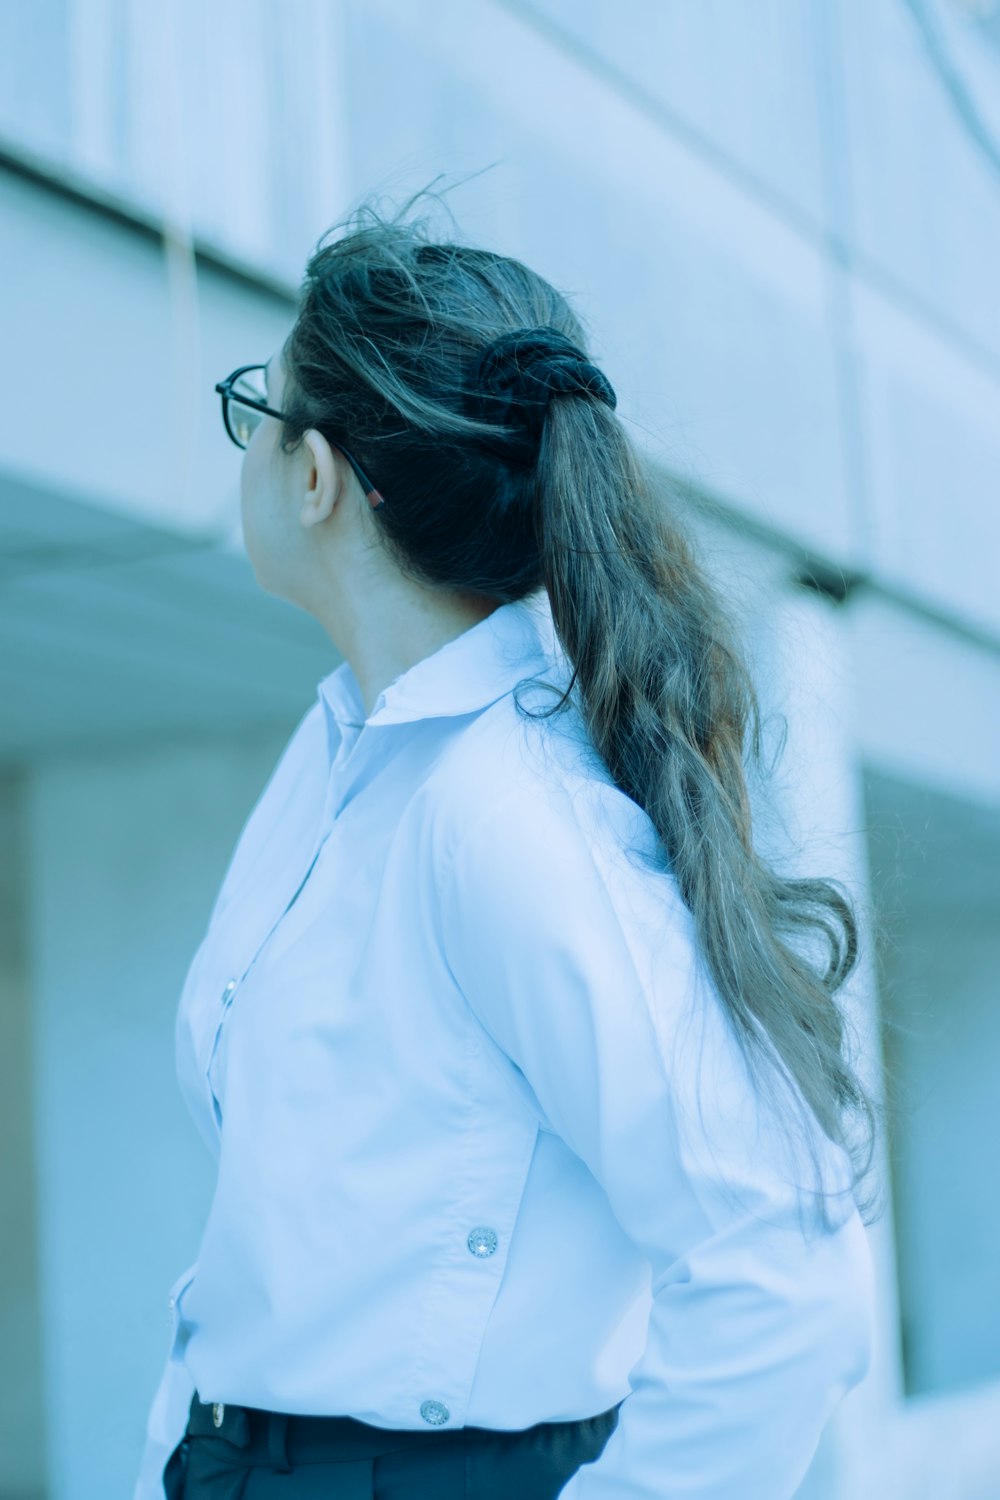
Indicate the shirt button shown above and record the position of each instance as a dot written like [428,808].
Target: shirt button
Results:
[482,1241]
[229,989]
[434,1412]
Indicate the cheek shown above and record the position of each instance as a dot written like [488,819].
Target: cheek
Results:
[260,504]
[251,500]
[247,471]
[250,480]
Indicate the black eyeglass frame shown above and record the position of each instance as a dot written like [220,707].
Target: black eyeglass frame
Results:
[225,390]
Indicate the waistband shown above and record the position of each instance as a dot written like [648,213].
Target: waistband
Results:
[284,1439]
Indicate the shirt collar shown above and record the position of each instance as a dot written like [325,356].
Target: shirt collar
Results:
[467,673]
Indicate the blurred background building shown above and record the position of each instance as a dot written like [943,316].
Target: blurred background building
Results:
[781,221]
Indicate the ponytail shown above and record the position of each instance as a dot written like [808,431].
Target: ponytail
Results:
[672,711]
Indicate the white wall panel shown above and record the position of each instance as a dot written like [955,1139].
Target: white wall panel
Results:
[926,199]
[106,401]
[743,79]
[928,701]
[932,424]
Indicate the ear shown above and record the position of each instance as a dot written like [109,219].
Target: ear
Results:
[323,478]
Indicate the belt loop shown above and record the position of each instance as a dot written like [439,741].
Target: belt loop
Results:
[276,1433]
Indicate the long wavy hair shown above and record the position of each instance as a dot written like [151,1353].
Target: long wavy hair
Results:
[390,322]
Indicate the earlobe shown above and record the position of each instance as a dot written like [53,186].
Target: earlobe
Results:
[316,508]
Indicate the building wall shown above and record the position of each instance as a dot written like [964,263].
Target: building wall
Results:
[780,224]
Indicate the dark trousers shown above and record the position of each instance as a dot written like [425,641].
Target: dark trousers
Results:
[243,1453]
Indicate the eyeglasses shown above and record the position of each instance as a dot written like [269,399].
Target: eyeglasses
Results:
[244,401]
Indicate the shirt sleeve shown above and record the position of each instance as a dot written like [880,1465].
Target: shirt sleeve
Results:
[588,976]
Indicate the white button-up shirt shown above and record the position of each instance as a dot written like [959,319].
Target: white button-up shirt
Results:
[488,1154]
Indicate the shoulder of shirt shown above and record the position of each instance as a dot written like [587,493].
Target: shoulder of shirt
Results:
[515,781]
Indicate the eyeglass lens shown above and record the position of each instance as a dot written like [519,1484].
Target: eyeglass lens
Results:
[244,420]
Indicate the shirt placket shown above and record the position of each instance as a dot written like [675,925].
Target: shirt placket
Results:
[346,769]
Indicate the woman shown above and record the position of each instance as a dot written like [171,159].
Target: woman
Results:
[530,1114]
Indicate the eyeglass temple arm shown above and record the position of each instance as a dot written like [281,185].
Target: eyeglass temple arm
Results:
[225,390]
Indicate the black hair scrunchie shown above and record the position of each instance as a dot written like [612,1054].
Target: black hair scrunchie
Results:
[515,376]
